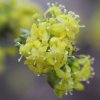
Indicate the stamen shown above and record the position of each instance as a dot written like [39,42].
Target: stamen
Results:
[66,93]
[84,79]
[18,43]
[44,58]
[48,3]
[82,26]
[28,53]
[68,71]
[66,53]
[67,29]
[38,75]
[49,50]
[71,83]
[63,6]
[55,60]
[20,58]
[70,93]
[76,16]
[60,6]
[47,27]
[93,73]
[52,4]
[92,69]
[65,10]
[88,82]
[93,59]
[38,20]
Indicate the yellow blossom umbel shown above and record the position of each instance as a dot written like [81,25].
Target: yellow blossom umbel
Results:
[49,49]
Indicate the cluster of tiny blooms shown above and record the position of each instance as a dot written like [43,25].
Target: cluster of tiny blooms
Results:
[49,50]
[16,14]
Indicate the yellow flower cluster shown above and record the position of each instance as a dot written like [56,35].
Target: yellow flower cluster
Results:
[16,14]
[50,47]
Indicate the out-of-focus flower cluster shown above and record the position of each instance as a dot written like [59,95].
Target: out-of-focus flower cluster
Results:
[50,49]
[16,14]
[95,30]
[2,55]
[4,51]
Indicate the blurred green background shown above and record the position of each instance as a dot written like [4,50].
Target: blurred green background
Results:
[16,81]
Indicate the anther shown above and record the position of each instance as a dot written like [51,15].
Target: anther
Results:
[48,3]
